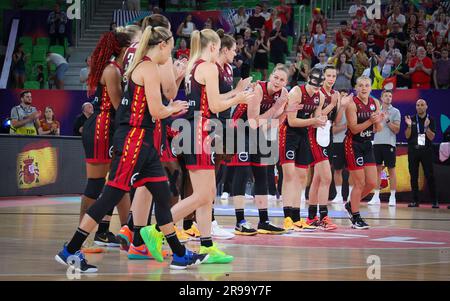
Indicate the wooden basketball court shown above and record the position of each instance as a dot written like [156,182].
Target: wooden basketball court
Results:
[408,244]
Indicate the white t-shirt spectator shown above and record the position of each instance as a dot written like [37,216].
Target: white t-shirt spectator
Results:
[400,19]
[240,22]
[354,8]
[56,59]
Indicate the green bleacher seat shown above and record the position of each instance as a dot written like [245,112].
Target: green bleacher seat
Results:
[43,41]
[31,85]
[290,43]
[39,54]
[57,49]
[26,41]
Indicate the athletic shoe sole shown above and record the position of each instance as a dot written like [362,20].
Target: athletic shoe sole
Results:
[262,231]
[88,271]
[197,262]
[106,244]
[360,228]
[245,233]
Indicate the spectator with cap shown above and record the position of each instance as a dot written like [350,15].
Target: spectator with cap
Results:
[87,109]
[25,117]
[420,133]
[420,69]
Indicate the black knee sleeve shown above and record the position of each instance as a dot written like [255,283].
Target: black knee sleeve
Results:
[110,212]
[94,188]
[241,174]
[110,197]
[260,174]
[161,200]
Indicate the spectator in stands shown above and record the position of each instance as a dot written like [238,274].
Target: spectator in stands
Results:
[422,17]
[323,61]
[361,60]
[265,11]
[397,16]
[318,42]
[112,26]
[183,51]
[412,52]
[430,51]
[387,55]
[400,39]
[400,71]
[261,50]
[186,28]
[329,46]
[317,18]
[256,21]
[411,10]
[371,45]
[440,43]
[87,109]
[442,25]
[343,32]
[24,117]
[278,44]
[134,5]
[57,21]
[305,49]
[249,42]
[61,68]
[420,37]
[344,73]
[360,35]
[48,125]
[284,12]
[299,70]
[18,66]
[441,74]
[411,25]
[360,20]
[421,68]
[208,24]
[84,73]
[243,58]
[40,77]
[240,21]
[355,7]
[270,23]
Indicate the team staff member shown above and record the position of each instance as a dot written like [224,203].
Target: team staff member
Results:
[24,117]
[420,133]
[384,145]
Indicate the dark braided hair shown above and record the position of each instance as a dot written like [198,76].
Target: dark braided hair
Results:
[111,43]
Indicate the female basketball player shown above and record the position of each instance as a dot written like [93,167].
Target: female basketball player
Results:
[104,83]
[202,90]
[297,149]
[137,161]
[363,120]
[267,106]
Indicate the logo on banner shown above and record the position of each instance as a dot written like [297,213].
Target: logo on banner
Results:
[36,167]
[74,11]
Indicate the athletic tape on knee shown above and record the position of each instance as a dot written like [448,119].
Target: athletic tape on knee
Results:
[94,188]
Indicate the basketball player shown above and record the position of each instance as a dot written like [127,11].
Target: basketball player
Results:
[363,120]
[137,161]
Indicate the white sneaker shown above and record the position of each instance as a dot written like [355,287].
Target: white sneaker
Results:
[219,233]
[375,201]
[249,196]
[224,196]
[392,201]
[338,200]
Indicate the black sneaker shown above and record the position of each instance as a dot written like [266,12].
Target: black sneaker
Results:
[348,207]
[244,228]
[107,239]
[359,223]
[435,205]
[269,228]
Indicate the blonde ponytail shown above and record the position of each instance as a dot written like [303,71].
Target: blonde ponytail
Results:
[199,41]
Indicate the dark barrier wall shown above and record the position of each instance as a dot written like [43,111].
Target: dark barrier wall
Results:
[41,166]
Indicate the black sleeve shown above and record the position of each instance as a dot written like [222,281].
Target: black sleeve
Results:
[432,125]
[77,125]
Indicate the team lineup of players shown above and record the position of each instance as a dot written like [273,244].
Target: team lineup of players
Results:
[134,80]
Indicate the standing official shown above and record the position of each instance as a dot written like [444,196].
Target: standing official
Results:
[420,133]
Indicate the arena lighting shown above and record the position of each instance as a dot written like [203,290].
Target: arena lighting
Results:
[5,126]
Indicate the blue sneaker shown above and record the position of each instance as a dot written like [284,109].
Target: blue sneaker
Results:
[189,258]
[77,260]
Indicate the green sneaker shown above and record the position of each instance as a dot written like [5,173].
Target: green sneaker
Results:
[216,255]
[153,240]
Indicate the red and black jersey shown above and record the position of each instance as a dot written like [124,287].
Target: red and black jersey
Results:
[133,110]
[266,103]
[332,115]
[225,86]
[129,55]
[363,113]
[196,95]
[102,101]
[310,104]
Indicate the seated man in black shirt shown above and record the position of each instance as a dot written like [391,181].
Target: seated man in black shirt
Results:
[401,42]
[420,132]
[86,111]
